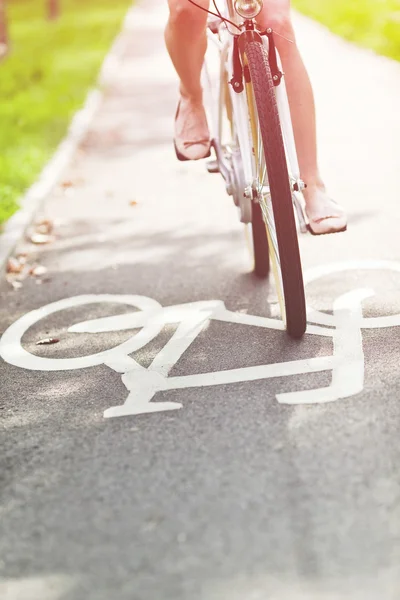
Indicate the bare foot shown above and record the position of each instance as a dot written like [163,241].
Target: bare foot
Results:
[192,136]
[324,214]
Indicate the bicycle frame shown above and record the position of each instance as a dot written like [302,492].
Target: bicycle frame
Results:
[244,118]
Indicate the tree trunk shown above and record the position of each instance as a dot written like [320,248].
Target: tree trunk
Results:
[53,9]
[3,29]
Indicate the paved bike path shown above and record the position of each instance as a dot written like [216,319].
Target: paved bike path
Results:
[234,495]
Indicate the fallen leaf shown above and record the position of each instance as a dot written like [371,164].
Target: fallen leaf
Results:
[47,341]
[133,203]
[14,265]
[44,226]
[41,238]
[38,270]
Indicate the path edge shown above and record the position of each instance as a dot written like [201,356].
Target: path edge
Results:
[35,196]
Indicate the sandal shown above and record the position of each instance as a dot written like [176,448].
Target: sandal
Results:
[190,149]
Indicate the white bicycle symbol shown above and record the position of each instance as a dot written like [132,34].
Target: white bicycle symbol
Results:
[344,326]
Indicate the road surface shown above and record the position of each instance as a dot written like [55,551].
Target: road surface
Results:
[235,495]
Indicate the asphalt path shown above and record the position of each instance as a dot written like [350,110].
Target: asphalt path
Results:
[235,495]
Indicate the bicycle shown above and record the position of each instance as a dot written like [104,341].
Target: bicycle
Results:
[254,147]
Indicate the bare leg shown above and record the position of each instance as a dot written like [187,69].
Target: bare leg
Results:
[185,37]
[320,207]
[186,41]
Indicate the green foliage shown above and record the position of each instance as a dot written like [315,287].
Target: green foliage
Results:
[44,80]
[371,23]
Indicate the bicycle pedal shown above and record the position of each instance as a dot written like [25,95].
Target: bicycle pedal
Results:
[299,213]
[212,166]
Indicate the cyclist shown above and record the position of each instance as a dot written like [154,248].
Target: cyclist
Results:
[186,41]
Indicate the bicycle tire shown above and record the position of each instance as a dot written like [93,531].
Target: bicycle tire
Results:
[288,261]
[260,242]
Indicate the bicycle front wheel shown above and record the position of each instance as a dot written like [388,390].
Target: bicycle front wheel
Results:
[276,202]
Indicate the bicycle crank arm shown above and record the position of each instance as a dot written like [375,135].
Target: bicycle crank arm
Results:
[300,212]
[221,166]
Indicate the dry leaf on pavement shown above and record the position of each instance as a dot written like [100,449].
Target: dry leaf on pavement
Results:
[47,341]
[38,270]
[14,265]
[44,226]
[18,268]
[41,238]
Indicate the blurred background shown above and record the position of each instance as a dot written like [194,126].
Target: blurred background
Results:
[50,55]
[51,52]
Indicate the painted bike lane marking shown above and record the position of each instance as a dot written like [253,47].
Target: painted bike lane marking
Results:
[346,363]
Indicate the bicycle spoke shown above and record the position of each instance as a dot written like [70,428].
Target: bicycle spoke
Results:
[266,209]
[259,150]
[261,165]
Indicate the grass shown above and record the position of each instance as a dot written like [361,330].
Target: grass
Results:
[371,23]
[44,80]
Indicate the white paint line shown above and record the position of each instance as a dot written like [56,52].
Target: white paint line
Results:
[348,375]
[315,273]
[162,315]
[142,386]
[348,368]
[285,369]
[11,349]
[347,362]
[124,322]
[122,363]
[186,333]
[256,321]
[139,408]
